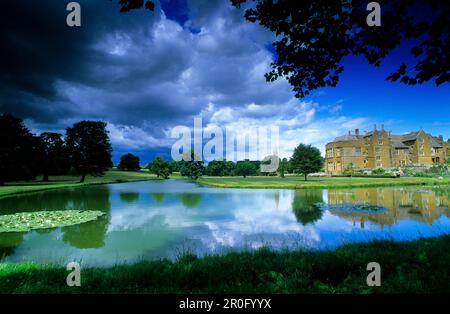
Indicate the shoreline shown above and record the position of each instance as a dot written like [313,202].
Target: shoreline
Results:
[332,183]
[418,266]
[288,183]
[37,187]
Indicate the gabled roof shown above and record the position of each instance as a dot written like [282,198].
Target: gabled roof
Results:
[349,137]
[399,141]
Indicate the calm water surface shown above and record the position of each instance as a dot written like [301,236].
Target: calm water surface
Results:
[156,219]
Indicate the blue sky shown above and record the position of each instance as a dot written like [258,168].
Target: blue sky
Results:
[147,72]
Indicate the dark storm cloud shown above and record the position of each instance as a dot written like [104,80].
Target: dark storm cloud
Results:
[142,72]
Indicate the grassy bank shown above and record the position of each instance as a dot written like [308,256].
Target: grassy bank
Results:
[58,182]
[409,267]
[297,182]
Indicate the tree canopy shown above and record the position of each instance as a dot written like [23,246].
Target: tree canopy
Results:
[52,154]
[306,159]
[314,36]
[191,167]
[129,162]
[17,150]
[245,168]
[160,167]
[89,148]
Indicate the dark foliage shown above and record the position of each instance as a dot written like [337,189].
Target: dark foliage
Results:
[127,5]
[306,159]
[129,162]
[246,168]
[52,155]
[160,167]
[17,150]
[89,148]
[314,36]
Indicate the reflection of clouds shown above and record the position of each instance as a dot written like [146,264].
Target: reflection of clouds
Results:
[256,222]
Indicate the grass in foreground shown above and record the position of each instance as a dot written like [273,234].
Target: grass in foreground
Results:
[57,182]
[297,182]
[420,266]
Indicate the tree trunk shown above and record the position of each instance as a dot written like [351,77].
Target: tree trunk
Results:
[45,179]
[306,177]
[83,176]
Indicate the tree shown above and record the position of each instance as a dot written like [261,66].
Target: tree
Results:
[129,162]
[89,148]
[191,167]
[230,168]
[283,167]
[18,150]
[314,36]
[245,168]
[52,154]
[306,206]
[216,168]
[160,167]
[306,159]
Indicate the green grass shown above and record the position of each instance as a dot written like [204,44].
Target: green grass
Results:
[297,182]
[58,182]
[420,266]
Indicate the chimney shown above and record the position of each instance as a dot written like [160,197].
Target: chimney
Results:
[357,132]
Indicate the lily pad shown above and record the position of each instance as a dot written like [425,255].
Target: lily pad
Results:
[354,208]
[26,221]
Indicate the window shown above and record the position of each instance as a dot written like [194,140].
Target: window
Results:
[357,151]
[378,157]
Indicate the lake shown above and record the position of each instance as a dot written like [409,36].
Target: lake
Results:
[156,219]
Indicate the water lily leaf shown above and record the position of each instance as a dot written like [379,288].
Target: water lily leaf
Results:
[23,222]
[354,208]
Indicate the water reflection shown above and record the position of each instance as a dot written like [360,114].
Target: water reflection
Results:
[190,200]
[129,197]
[423,205]
[305,206]
[151,220]
[158,197]
[9,242]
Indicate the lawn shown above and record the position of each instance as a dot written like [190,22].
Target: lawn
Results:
[57,182]
[298,182]
[406,267]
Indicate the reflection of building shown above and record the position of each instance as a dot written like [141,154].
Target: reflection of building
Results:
[425,206]
[381,149]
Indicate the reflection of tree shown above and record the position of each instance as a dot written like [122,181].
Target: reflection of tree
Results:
[87,235]
[9,241]
[190,200]
[304,206]
[90,234]
[277,199]
[50,200]
[158,197]
[129,197]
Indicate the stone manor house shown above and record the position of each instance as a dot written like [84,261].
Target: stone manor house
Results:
[382,149]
